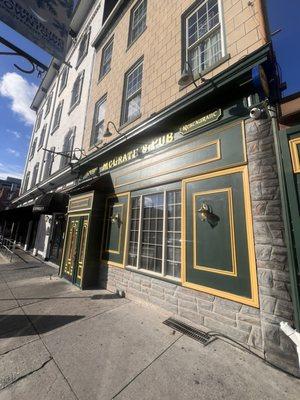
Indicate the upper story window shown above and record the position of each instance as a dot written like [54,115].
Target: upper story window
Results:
[67,147]
[83,47]
[49,163]
[98,125]
[33,147]
[57,116]
[63,79]
[38,120]
[35,174]
[76,91]
[203,36]
[106,58]
[42,137]
[26,182]
[132,93]
[48,104]
[137,21]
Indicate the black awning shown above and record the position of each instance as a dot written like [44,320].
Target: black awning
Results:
[16,214]
[51,203]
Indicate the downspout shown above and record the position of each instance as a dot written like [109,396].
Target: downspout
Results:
[294,335]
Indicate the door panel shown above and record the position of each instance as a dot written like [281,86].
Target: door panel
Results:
[82,249]
[218,246]
[115,229]
[71,244]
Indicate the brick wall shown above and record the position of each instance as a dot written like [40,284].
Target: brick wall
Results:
[160,45]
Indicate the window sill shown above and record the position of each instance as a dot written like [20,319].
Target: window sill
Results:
[73,107]
[125,124]
[101,77]
[129,45]
[80,60]
[54,129]
[151,274]
[199,75]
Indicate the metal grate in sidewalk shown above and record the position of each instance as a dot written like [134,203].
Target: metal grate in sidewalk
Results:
[188,330]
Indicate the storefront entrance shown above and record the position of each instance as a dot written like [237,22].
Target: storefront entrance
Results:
[75,248]
[56,245]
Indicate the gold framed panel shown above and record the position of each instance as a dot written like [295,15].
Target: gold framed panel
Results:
[233,271]
[107,262]
[254,300]
[295,154]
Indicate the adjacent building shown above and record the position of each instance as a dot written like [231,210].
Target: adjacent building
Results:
[9,190]
[167,124]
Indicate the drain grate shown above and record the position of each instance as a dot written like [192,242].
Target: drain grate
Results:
[190,331]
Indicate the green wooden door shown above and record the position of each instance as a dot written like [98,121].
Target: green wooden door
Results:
[218,245]
[75,248]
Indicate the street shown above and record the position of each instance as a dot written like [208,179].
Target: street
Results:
[57,342]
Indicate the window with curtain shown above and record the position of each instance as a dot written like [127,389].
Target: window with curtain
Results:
[132,93]
[98,125]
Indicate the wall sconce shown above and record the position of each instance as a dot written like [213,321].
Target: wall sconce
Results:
[187,76]
[206,215]
[107,132]
[74,160]
[115,218]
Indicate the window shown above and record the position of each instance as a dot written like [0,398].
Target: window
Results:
[203,42]
[33,147]
[26,182]
[35,174]
[42,137]
[63,79]
[98,126]
[155,233]
[67,148]
[137,21]
[83,47]
[49,163]
[106,58]
[38,121]
[57,116]
[132,93]
[48,104]
[76,91]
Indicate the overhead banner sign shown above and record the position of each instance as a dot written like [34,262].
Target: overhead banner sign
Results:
[44,22]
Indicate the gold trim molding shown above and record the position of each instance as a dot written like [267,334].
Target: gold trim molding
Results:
[295,154]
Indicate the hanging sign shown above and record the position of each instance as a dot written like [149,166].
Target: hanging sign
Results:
[43,22]
[200,122]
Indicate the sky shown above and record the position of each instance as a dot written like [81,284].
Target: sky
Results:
[16,93]
[17,89]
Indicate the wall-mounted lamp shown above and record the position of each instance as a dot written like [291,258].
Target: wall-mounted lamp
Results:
[187,76]
[74,160]
[206,215]
[107,132]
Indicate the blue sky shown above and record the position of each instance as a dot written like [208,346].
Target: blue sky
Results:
[16,118]
[16,127]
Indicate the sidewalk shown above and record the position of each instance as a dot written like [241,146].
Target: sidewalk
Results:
[57,342]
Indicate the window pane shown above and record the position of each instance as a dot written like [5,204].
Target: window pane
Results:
[98,128]
[134,81]
[152,237]
[134,231]
[106,59]
[138,22]
[133,107]
[173,256]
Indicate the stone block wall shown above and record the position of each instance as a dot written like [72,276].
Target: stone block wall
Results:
[256,328]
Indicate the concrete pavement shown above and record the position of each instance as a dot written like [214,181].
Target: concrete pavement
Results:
[57,342]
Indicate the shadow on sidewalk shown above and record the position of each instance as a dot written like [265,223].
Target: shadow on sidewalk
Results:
[13,325]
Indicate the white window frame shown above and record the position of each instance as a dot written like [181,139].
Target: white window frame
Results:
[163,274]
[67,148]
[56,124]
[79,78]
[219,26]
[32,150]
[42,136]
[85,50]
[109,44]
[131,40]
[48,104]
[99,103]
[38,121]
[127,99]
[35,173]
[63,82]
[49,164]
